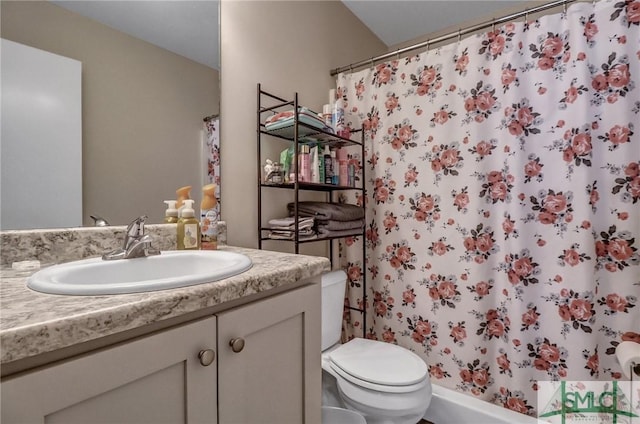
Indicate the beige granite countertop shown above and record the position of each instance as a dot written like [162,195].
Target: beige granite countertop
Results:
[33,323]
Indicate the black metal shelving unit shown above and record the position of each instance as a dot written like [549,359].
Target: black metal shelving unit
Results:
[293,134]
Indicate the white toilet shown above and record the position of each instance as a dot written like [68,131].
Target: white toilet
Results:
[383,382]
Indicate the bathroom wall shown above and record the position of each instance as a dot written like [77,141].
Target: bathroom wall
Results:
[288,47]
[142,109]
[480,19]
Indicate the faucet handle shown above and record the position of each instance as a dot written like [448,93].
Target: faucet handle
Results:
[136,243]
[136,227]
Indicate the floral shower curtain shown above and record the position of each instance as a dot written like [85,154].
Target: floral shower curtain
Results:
[211,155]
[503,221]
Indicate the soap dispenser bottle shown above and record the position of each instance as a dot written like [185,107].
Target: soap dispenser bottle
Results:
[171,214]
[188,228]
[209,218]
[183,193]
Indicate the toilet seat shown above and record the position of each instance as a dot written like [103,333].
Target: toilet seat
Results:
[379,366]
[378,387]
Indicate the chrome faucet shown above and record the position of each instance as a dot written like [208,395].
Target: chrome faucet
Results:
[99,221]
[136,244]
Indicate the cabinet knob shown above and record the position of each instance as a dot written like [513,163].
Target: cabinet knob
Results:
[237,344]
[206,356]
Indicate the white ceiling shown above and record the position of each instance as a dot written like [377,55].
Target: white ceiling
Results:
[397,21]
[185,27]
[190,28]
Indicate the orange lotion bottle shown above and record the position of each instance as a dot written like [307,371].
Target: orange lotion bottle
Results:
[209,218]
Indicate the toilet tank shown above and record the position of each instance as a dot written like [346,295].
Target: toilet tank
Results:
[333,290]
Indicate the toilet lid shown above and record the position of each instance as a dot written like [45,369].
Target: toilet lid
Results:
[379,363]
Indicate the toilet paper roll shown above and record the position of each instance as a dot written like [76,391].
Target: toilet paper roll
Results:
[628,354]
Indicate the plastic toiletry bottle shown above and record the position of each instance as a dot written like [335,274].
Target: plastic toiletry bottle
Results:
[171,214]
[343,167]
[352,173]
[183,193]
[209,218]
[332,105]
[334,168]
[328,166]
[188,228]
[338,116]
[315,170]
[320,165]
[327,115]
[304,164]
[286,157]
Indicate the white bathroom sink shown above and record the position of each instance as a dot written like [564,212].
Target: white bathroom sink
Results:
[168,270]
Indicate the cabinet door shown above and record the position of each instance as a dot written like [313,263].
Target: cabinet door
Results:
[154,379]
[276,377]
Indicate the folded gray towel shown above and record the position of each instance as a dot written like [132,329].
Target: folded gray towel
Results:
[341,225]
[328,211]
[323,232]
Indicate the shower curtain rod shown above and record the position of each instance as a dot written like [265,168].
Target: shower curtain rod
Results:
[458,34]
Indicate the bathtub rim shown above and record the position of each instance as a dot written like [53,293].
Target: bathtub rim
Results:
[477,406]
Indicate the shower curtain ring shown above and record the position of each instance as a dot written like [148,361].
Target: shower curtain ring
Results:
[564,7]
[493,25]
[459,35]
[526,15]
[398,54]
[371,61]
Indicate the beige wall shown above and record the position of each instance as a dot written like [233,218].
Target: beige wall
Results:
[142,109]
[288,47]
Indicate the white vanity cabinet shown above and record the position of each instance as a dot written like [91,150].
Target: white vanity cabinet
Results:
[276,377]
[256,363]
[153,379]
